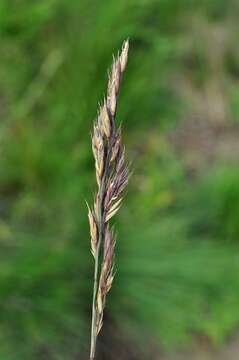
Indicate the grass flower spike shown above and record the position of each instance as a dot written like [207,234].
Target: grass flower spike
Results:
[112,178]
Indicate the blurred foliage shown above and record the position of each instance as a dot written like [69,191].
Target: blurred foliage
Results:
[235,104]
[177,255]
[220,192]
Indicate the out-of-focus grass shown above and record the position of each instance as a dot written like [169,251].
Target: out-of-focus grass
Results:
[177,250]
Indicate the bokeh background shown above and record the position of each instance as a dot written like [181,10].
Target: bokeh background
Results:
[176,291]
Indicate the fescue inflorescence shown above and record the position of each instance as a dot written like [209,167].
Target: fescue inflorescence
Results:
[112,178]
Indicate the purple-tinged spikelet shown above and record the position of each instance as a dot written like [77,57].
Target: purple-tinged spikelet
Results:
[112,178]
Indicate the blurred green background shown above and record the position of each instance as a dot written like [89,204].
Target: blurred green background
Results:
[177,280]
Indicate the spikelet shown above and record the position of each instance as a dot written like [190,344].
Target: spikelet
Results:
[112,178]
[106,276]
[93,231]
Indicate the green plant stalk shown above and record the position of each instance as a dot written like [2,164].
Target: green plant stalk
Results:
[96,271]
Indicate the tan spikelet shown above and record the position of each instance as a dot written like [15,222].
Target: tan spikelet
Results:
[93,231]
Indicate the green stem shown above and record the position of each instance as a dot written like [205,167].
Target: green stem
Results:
[96,271]
[97,256]
[94,317]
